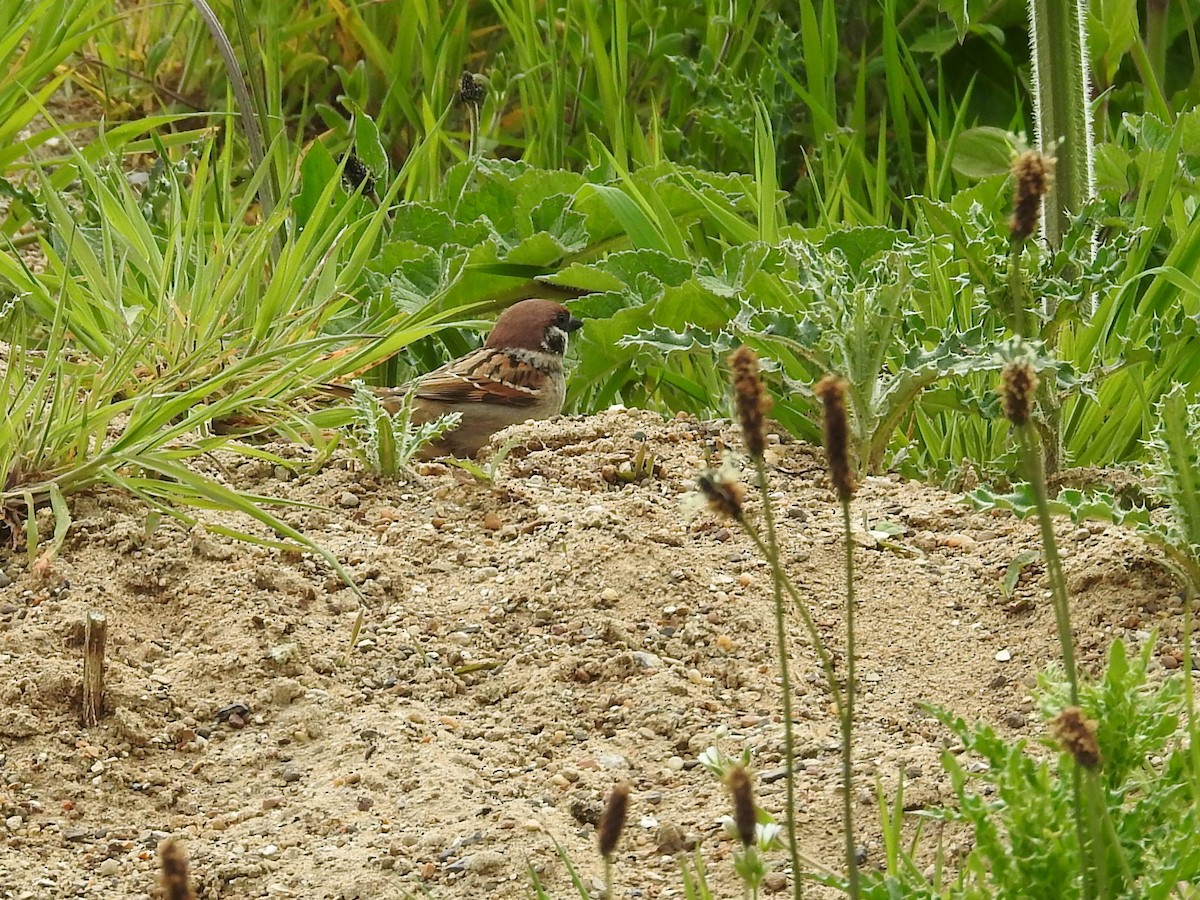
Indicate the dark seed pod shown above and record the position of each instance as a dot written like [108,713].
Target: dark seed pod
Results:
[173,865]
[470,90]
[356,173]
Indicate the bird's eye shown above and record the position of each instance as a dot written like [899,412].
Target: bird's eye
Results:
[561,318]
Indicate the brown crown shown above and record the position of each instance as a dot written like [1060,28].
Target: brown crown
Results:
[524,325]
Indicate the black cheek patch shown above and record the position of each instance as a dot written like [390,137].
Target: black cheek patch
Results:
[555,341]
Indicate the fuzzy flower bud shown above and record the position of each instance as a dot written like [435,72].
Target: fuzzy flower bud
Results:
[744,814]
[1032,173]
[831,391]
[173,865]
[612,820]
[1077,734]
[750,399]
[1019,383]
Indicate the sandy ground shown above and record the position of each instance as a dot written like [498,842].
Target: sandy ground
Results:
[576,633]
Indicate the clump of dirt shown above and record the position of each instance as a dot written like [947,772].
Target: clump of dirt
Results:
[527,644]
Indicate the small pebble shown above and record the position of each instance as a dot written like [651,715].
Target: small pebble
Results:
[348,500]
[109,867]
[670,839]
[774,882]
[1003,655]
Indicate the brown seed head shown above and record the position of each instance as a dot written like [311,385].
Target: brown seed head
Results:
[1077,734]
[723,493]
[1033,174]
[751,400]
[173,876]
[612,820]
[744,814]
[1019,383]
[831,390]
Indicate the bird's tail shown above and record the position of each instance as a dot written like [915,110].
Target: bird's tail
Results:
[341,391]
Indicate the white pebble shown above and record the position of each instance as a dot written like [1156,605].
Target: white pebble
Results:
[1003,656]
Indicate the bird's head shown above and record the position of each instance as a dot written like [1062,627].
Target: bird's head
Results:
[538,325]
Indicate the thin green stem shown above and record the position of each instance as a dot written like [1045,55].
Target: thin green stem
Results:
[778,577]
[1018,291]
[1058,585]
[847,713]
[608,877]
[1096,813]
[809,624]
[1032,456]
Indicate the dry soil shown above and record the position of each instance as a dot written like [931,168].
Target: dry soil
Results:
[527,644]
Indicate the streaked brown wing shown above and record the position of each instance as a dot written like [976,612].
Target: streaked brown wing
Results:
[485,376]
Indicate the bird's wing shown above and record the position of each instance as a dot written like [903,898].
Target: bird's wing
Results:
[485,376]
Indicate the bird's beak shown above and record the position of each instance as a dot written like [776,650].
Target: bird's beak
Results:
[573,324]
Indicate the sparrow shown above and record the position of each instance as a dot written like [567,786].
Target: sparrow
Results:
[516,375]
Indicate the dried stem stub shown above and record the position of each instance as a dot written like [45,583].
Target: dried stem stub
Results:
[1019,384]
[1033,174]
[612,820]
[750,399]
[831,390]
[95,634]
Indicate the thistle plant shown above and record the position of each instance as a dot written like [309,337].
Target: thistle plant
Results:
[387,443]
